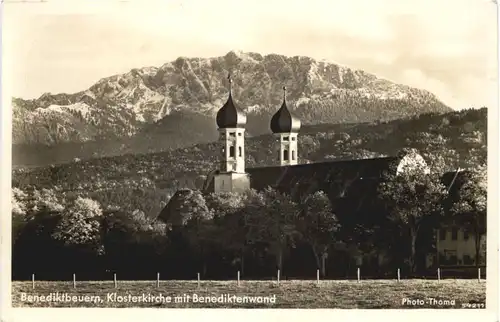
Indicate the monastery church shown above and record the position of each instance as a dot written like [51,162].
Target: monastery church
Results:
[352,184]
[232,176]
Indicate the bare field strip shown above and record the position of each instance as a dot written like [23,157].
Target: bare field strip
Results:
[226,294]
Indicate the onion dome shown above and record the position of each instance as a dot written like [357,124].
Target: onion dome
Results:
[283,121]
[230,116]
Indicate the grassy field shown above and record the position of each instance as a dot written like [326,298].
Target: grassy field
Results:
[259,294]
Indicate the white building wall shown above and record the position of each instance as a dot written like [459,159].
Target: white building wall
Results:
[222,182]
[231,182]
[460,247]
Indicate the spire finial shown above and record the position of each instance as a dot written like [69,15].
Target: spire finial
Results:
[284,93]
[230,82]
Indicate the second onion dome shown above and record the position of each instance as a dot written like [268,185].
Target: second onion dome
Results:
[283,121]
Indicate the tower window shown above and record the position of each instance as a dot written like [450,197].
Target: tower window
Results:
[239,133]
[293,154]
[231,151]
[285,155]
[293,138]
[285,138]
[239,151]
[232,134]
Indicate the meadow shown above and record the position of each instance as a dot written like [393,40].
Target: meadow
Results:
[340,294]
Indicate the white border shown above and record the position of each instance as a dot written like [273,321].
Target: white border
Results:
[133,314]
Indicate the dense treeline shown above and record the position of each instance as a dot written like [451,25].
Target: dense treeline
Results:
[254,232]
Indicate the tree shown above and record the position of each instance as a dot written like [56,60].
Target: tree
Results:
[470,208]
[80,225]
[274,221]
[44,200]
[435,150]
[182,206]
[18,201]
[223,203]
[412,197]
[358,154]
[318,225]
[475,143]
[201,233]
[192,223]
[230,216]
[34,247]
[144,238]
[308,144]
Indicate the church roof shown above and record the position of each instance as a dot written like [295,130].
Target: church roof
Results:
[332,177]
[230,116]
[283,121]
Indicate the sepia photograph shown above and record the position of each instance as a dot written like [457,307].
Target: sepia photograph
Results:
[249,155]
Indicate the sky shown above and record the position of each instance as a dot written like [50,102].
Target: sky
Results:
[448,47]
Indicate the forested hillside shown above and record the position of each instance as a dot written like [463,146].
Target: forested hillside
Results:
[145,182]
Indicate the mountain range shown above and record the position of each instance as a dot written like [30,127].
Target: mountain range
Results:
[154,109]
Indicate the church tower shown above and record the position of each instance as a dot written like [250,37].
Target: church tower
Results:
[231,122]
[286,128]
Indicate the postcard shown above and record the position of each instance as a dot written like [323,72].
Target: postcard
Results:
[307,159]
